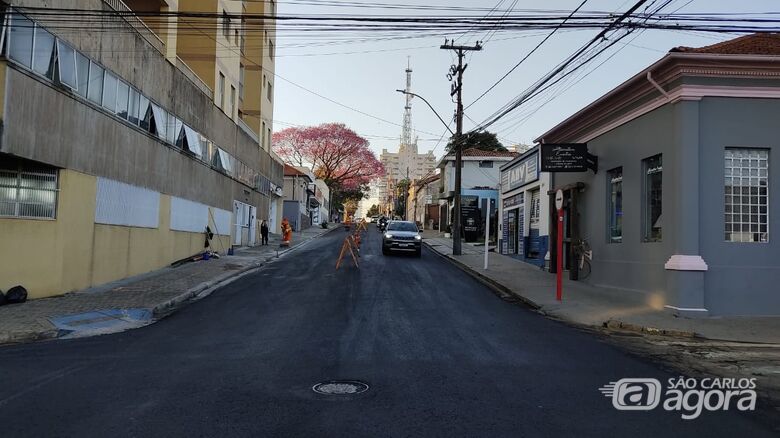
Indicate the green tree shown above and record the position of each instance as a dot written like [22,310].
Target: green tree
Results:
[486,141]
[373,210]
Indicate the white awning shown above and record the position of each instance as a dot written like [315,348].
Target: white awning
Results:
[224,157]
[193,141]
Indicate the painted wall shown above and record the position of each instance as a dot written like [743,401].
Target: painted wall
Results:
[742,277]
[632,265]
[71,252]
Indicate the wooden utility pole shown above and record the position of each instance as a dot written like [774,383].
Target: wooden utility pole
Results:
[456,76]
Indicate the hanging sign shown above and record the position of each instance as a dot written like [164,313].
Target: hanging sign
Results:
[567,157]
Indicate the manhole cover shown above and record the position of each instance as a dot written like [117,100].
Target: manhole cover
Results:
[340,387]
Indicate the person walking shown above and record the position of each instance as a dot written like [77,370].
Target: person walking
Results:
[264,232]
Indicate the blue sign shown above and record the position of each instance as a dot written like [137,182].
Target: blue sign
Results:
[523,172]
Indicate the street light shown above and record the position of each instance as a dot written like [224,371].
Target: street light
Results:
[456,220]
[429,106]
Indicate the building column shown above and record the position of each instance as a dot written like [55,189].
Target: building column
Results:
[685,269]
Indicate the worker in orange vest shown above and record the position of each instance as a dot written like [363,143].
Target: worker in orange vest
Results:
[286,232]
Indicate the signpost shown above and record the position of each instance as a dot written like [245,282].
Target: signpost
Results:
[487,233]
[559,258]
[567,157]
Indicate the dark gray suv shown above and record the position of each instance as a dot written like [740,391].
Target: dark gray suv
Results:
[402,236]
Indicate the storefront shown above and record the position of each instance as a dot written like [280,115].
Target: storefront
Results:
[523,227]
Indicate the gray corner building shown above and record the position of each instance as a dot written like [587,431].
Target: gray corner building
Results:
[685,206]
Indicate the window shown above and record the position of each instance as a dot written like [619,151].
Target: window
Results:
[486,164]
[173,130]
[236,37]
[270,92]
[28,191]
[134,107]
[653,172]
[109,91]
[271,48]
[82,73]
[221,91]
[144,113]
[241,73]
[262,135]
[122,99]
[536,202]
[226,24]
[268,139]
[159,122]
[43,52]
[95,90]
[747,195]
[232,100]
[615,180]
[21,40]
[67,65]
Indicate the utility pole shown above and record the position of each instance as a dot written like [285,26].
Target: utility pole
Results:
[456,76]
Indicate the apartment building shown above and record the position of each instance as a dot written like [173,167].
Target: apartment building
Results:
[118,149]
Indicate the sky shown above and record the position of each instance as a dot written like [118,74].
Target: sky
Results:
[317,79]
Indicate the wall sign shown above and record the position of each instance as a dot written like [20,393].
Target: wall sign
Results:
[523,172]
[567,157]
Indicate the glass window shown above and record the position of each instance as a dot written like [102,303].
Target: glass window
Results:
[95,90]
[21,40]
[67,64]
[241,74]
[122,96]
[144,113]
[82,72]
[174,128]
[43,52]
[159,122]
[221,91]
[653,172]
[536,202]
[27,191]
[232,101]
[109,91]
[270,92]
[133,107]
[486,164]
[747,195]
[615,179]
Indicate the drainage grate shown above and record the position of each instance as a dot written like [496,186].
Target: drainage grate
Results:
[340,387]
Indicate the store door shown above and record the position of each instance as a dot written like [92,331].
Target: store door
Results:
[512,231]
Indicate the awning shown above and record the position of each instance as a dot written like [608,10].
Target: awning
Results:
[193,141]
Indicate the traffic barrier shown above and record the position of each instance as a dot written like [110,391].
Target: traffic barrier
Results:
[351,246]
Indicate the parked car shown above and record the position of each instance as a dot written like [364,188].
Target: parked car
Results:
[402,236]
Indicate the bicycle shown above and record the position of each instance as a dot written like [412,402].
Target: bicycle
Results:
[585,255]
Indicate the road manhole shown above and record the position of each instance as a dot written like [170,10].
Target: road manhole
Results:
[340,387]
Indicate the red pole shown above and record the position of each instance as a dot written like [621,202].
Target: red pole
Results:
[559,258]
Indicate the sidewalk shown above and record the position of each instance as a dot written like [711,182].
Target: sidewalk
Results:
[136,301]
[600,307]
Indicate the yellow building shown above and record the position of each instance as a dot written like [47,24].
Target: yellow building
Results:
[121,141]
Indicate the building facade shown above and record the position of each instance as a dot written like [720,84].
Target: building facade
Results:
[113,156]
[682,208]
[299,197]
[480,176]
[423,205]
[523,209]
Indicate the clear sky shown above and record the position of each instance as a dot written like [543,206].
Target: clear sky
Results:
[367,80]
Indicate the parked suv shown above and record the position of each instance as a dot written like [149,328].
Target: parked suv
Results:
[402,236]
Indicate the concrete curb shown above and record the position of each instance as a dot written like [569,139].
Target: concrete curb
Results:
[169,306]
[497,287]
[610,325]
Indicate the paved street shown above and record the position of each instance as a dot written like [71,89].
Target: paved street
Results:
[442,354]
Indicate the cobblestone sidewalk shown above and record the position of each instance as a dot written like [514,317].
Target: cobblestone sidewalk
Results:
[157,292]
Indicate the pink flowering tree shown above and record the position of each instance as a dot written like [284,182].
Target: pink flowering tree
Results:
[334,153]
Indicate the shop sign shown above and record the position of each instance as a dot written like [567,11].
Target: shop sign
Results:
[567,157]
[523,172]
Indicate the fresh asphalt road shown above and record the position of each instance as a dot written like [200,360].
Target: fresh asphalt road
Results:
[443,357]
